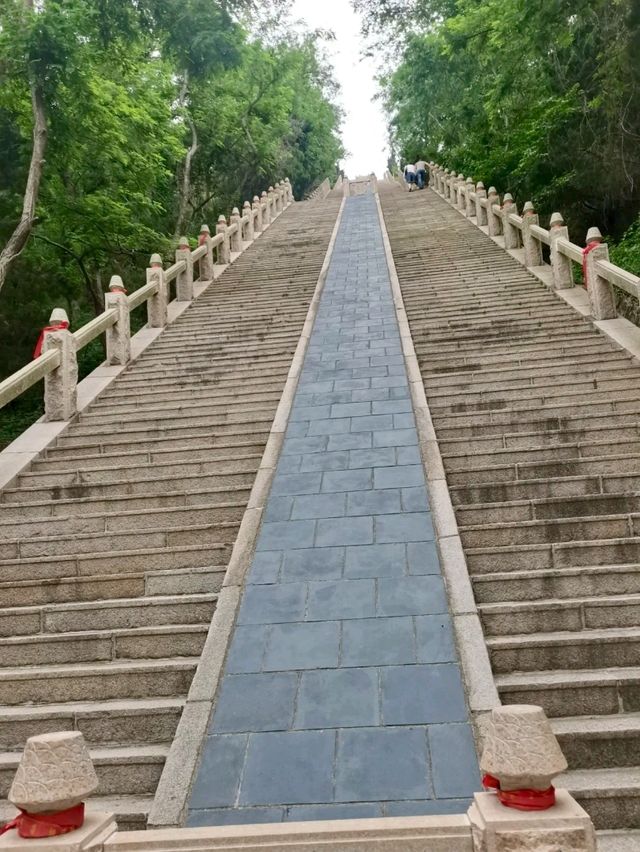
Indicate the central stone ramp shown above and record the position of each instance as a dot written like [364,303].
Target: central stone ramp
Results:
[116,541]
[342,695]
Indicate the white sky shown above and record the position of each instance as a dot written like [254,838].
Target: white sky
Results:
[364,131]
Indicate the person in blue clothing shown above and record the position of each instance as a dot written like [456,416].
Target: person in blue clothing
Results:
[410,175]
[421,174]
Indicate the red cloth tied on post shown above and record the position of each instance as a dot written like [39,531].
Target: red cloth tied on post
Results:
[585,254]
[46,825]
[522,800]
[58,326]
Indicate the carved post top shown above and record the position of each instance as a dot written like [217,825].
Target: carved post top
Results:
[116,285]
[529,209]
[183,244]
[594,236]
[222,223]
[556,221]
[155,261]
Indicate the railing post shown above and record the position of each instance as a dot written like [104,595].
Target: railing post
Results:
[532,246]
[206,262]
[461,186]
[249,232]
[184,281]
[157,304]
[561,265]
[603,303]
[481,211]
[278,197]
[289,191]
[119,335]
[494,220]
[60,385]
[266,209]
[470,208]
[257,212]
[271,201]
[511,232]
[224,249]
[236,237]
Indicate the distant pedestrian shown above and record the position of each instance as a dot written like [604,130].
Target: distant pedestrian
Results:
[421,174]
[410,175]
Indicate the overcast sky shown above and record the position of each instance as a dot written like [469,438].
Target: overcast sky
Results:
[364,131]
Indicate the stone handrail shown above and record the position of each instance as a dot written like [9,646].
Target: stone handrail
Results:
[60,347]
[524,236]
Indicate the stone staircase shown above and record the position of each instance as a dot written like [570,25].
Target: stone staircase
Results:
[538,420]
[115,542]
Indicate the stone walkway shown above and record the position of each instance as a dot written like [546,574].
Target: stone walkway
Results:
[342,695]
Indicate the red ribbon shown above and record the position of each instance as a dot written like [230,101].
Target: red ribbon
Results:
[59,326]
[585,253]
[46,825]
[522,800]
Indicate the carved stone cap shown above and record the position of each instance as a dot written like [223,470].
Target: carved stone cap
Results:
[58,315]
[55,773]
[521,750]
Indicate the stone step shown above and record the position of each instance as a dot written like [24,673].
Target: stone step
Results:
[611,797]
[179,517]
[251,431]
[103,408]
[597,436]
[549,530]
[101,681]
[593,742]
[115,541]
[127,770]
[132,721]
[208,415]
[624,840]
[574,554]
[552,508]
[561,583]
[576,692]
[579,649]
[510,425]
[214,497]
[29,593]
[170,638]
[242,424]
[128,487]
[570,406]
[107,447]
[125,562]
[109,614]
[120,457]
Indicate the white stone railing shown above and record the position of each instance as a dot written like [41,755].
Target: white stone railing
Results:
[524,238]
[321,191]
[58,362]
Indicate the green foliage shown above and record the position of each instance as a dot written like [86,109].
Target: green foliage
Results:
[126,84]
[538,97]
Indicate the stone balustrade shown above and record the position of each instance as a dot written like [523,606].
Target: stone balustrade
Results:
[529,243]
[58,362]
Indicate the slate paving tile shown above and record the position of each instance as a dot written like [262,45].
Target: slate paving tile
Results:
[361,810]
[378,642]
[412,595]
[246,651]
[255,702]
[291,484]
[433,807]
[351,441]
[409,526]
[309,412]
[418,695]
[265,567]
[395,438]
[320,506]
[278,509]
[378,764]
[371,423]
[351,409]
[298,430]
[319,563]
[282,535]
[415,499]
[381,560]
[311,645]
[272,604]
[335,426]
[338,699]
[404,476]
[435,640]
[381,457]
[297,446]
[344,531]
[325,461]
[373,502]
[422,558]
[453,761]
[347,480]
[234,816]
[391,406]
[408,455]
[341,599]
[221,765]
[277,769]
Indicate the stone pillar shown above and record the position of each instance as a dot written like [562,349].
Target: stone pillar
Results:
[60,386]
[462,203]
[266,209]
[494,220]
[603,303]
[289,191]
[447,185]
[257,212]
[249,232]
[561,265]
[470,208]
[236,237]
[278,197]
[206,262]
[184,281]
[481,212]
[119,335]
[224,249]
[511,232]
[157,304]
[532,246]
[271,202]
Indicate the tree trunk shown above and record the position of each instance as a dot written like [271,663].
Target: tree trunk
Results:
[20,236]
[185,189]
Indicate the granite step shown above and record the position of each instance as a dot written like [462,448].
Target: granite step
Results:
[592,742]
[611,797]
[557,583]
